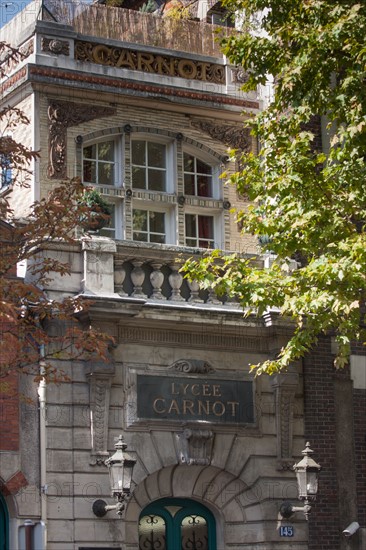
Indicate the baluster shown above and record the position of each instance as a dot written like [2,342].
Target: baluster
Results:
[194,288]
[176,280]
[119,277]
[138,277]
[157,280]
[212,297]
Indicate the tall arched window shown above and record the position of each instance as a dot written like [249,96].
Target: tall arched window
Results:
[4,525]
[176,524]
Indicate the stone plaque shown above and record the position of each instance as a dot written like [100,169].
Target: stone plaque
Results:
[194,399]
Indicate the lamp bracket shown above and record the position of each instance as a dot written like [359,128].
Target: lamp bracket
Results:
[287,509]
[101,508]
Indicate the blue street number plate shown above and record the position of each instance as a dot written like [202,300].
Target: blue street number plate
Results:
[286,531]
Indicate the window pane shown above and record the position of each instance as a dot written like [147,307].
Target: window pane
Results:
[189,184]
[140,220]
[204,186]
[191,225]
[205,232]
[105,173]
[203,167]
[156,180]
[188,163]
[139,178]
[106,151]
[157,222]
[90,152]
[138,152]
[89,171]
[205,227]
[191,242]
[140,237]
[157,238]
[194,533]
[110,229]
[152,533]
[156,152]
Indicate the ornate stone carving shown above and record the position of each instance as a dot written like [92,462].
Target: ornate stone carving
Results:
[100,377]
[55,46]
[284,386]
[235,137]
[239,75]
[196,366]
[195,446]
[62,115]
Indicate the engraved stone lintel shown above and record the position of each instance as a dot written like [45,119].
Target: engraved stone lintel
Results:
[284,385]
[195,446]
[192,366]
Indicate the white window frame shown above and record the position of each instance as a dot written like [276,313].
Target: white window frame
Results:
[170,169]
[217,225]
[216,171]
[119,147]
[170,218]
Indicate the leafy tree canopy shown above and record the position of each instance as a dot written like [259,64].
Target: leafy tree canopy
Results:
[307,201]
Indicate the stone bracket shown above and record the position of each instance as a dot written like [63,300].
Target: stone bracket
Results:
[195,446]
[100,378]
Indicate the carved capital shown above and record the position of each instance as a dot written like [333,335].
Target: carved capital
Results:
[233,136]
[284,386]
[196,366]
[62,115]
[195,446]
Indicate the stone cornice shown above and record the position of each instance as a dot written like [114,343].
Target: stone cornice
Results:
[134,87]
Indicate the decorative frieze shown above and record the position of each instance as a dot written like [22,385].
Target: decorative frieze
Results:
[195,447]
[57,47]
[149,62]
[233,136]
[62,115]
[192,339]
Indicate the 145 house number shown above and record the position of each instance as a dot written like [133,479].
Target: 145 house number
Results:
[286,531]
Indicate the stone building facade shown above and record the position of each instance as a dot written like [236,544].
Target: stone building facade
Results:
[145,109]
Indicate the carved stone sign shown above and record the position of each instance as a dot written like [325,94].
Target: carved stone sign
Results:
[148,62]
[194,399]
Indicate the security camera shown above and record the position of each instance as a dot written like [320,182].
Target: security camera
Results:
[351,529]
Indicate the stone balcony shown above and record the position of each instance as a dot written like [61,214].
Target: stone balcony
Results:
[145,273]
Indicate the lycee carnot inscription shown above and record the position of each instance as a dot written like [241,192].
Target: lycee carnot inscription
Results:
[148,62]
[189,399]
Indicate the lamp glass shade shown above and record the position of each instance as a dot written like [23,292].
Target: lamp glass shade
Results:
[307,472]
[307,482]
[120,466]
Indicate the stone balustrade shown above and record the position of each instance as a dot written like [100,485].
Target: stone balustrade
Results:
[152,272]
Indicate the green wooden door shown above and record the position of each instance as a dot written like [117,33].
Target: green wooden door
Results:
[4,525]
[176,524]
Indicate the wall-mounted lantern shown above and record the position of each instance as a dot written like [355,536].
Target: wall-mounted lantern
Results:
[307,473]
[120,465]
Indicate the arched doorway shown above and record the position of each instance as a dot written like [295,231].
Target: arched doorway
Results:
[4,525]
[176,524]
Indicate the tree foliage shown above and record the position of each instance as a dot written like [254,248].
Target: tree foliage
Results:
[307,202]
[34,327]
